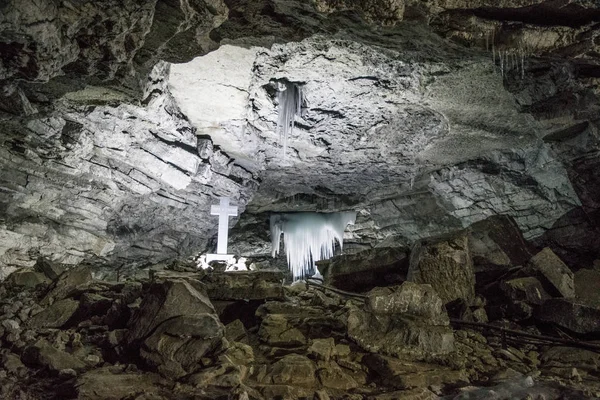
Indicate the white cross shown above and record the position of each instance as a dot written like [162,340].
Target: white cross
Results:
[224,211]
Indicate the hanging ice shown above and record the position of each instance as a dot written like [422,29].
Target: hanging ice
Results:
[308,238]
[289,97]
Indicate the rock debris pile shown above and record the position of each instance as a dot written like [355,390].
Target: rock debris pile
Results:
[431,331]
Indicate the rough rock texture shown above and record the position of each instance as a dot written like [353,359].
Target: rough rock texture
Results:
[310,344]
[551,268]
[569,314]
[408,319]
[360,272]
[394,122]
[446,265]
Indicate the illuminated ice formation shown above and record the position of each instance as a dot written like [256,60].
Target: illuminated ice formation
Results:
[289,97]
[308,237]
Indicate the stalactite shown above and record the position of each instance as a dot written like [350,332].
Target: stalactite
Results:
[289,97]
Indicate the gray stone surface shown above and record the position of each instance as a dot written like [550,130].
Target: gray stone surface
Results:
[56,315]
[570,314]
[403,320]
[445,264]
[100,163]
[362,271]
[166,300]
[554,272]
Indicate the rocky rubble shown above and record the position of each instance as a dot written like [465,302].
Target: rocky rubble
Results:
[185,334]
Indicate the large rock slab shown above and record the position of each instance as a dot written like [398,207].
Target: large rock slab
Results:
[555,274]
[67,283]
[244,285]
[527,289]
[104,384]
[293,369]
[177,346]
[444,263]
[360,272]
[56,315]
[587,287]
[44,354]
[26,278]
[175,327]
[497,244]
[409,298]
[403,374]
[168,299]
[571,315]
[389,324]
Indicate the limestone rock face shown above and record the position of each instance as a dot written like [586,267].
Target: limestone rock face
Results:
[56,315]
[176,347]
[446,265]
[394,122]
[175,327]
[571,315]
[497,243]
[391,323]
[242,285]
[107,385]
[42,353]
[555,272]
[365,270]
[166,300]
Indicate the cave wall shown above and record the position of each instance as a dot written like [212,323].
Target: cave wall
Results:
[104,161]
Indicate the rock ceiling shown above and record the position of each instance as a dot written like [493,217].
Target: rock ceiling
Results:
[123,121]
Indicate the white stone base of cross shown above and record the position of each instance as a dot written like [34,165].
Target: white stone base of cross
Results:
[224,211]
[229,258]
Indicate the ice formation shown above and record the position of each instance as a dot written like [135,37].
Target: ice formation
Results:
[289,97]
[308,237]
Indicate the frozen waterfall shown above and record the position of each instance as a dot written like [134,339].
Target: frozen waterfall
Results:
[308,237]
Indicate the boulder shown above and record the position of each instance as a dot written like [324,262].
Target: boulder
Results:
[321,349]
[244,285]
[571,315]
[54,316]
[411,394]
[26,278]
[571,357]
[404,374]
[67,283]
[43,354]
[444,263]
[408,298]
[104,384]
[177,345]
[276,330]
[391,324]
[360,272]
[165,300]
[332,376]
[587,287]
[528,289]
[235,331]
[496,244]
[48,268]
[293,369]
[283,321]
[555,274]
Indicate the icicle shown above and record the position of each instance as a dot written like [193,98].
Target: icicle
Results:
[308,238]
[289,97]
